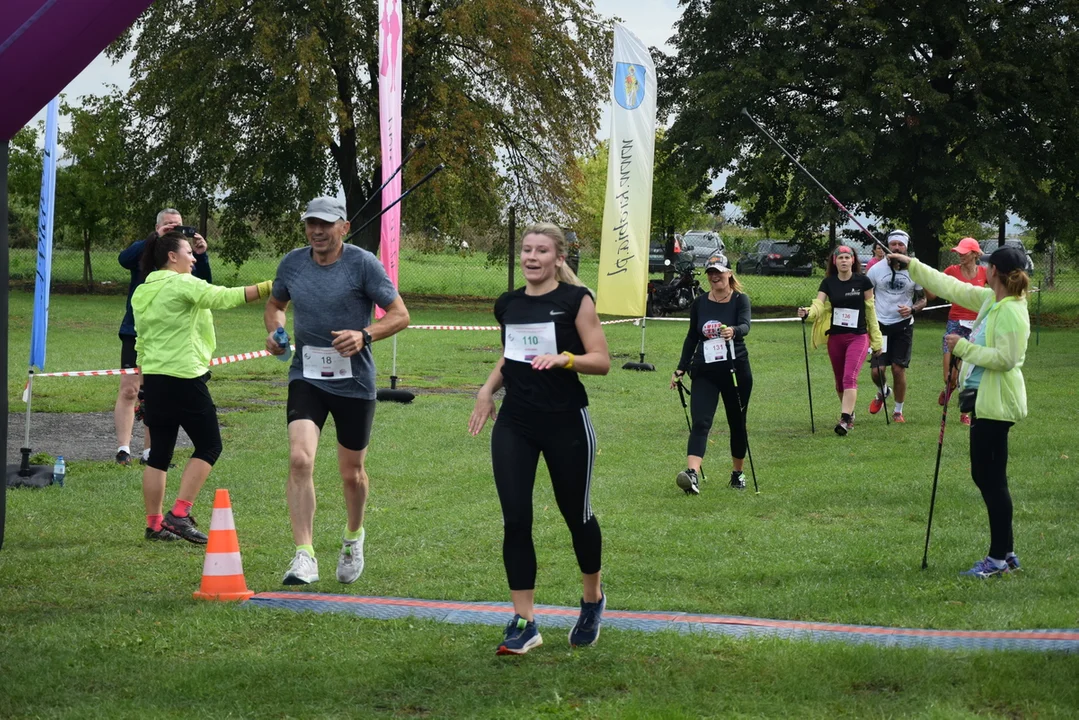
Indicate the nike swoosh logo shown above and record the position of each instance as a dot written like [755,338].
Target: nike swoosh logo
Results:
[558,312]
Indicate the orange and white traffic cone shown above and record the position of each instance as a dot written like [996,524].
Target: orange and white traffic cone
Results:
[222,571]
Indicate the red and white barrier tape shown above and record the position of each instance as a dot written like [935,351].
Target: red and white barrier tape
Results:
[495,327]
[637,321]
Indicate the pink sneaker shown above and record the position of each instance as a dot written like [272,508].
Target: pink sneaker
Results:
[965,419]
[898,418]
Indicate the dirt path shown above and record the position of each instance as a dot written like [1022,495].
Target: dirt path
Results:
[76,436]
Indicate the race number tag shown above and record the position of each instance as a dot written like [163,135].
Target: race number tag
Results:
[884,343]
[325,364]
[715,350]
[845,317]
[968,324]
[525,342]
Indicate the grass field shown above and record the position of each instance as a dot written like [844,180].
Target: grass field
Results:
[96,623]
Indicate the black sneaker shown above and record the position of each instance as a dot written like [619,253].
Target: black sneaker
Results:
[123,457]
[738,480]
[185,527]
[846,422]
[687,480]
[161,535]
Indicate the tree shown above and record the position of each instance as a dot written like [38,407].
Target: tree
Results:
[676,202]
[94,180]
[262,105]
[911,112]
[24,187]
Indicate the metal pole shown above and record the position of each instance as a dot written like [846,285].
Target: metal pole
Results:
[4,273]
[510,246]
[1038,316]
[643,323]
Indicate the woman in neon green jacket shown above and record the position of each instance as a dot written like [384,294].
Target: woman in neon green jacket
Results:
[175,343]
[992,362]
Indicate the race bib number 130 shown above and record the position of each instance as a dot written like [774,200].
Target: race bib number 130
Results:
[525,342]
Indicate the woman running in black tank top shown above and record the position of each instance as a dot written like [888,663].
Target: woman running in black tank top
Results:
[550,333]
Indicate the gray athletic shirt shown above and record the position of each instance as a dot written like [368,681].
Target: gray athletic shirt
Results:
[333,297]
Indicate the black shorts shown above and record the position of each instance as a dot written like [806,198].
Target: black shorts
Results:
[352,417]
[128,357]
[900,340]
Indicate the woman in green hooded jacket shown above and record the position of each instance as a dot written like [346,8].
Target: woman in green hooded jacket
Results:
[175,343]
[991,384]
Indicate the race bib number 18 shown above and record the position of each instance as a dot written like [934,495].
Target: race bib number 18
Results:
[321,363]
[525,342]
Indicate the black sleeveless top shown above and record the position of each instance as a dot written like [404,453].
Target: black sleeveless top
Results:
[556,389]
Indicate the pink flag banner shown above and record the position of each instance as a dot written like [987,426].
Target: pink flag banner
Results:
[389,111]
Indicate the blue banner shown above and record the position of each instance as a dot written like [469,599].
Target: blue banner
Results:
[46,210]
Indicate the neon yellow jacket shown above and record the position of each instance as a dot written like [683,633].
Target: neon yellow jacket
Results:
[174,324]
[1002,392]
[820,314]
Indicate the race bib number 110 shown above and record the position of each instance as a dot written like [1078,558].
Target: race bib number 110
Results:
[525,342]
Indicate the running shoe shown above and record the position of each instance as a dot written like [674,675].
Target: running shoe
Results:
[984,569]
[161,535]
[521,636]
[687,480]
[123,457]
[350,560]
[1013,562]
[844,425]
[185,527]
[897,417]
[878,400]
[586,631]
[738,480]
[964,418]
[302,571]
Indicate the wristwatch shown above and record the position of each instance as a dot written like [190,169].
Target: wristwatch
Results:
[366,338]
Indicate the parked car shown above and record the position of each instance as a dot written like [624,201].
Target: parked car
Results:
[701,245]
[774,257]
[655,257]
[864,251]
[988,246]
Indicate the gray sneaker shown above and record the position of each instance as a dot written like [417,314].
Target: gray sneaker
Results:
[687,480]
[303,571]
[350,561]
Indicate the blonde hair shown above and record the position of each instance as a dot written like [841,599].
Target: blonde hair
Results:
[735,285]
[1016,283]
[563,273]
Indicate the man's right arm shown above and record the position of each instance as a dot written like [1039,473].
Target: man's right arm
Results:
[129,257]
[274,317]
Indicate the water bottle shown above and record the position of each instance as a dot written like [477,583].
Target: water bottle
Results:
[58,471]
[281,338]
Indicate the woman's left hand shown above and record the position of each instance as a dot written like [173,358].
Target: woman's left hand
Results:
[951,340]
[545,362]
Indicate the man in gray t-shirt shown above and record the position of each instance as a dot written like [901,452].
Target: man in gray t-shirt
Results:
[331,288]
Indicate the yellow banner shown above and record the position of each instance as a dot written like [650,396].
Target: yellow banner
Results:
[627,212]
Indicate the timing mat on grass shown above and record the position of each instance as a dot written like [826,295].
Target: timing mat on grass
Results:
[496,613]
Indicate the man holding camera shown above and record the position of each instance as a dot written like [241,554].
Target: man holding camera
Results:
[124,413]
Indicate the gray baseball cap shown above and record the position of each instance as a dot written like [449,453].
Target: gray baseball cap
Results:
[325,208]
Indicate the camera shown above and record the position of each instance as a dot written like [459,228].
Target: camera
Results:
[187,230]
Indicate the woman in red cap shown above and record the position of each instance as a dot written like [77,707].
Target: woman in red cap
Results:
[961,319]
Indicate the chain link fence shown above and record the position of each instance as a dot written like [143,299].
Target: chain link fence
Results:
[463,262]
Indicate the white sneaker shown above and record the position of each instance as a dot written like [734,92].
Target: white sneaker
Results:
[350,561]
[303,571]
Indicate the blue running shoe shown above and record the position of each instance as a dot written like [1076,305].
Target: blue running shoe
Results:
[521,636]
[1013,562]
[586,631]
[984,569]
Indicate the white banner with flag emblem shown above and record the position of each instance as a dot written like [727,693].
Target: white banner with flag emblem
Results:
[627,212]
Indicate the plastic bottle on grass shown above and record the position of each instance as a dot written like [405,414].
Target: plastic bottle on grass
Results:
[58,471]
[280,336]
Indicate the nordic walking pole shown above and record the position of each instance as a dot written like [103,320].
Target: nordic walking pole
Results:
[809,387]
[437,169]
[742,410]
[419,146]
[882,384]
[682,392]
[815,180]
[940,447]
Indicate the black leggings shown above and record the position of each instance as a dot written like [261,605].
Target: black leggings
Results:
[568,445]
[989,468]
[708,386]
[171,403]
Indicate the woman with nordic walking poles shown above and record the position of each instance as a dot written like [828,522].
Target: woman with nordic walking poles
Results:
[845,312]
[961,319]
[991,385]
[550,335]
[175,342]
[715,319]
